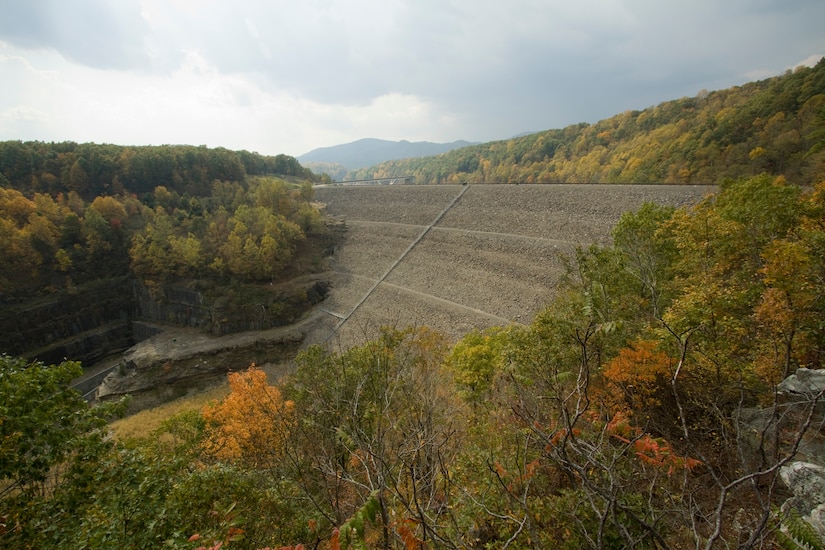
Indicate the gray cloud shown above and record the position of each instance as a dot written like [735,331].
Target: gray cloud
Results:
[96,33]
[478,69]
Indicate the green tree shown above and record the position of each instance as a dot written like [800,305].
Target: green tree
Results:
[49,437]
[648,252]
[308,191]
[385,423]
[78,177]
[476,361]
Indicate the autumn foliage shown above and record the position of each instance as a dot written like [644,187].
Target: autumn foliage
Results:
[639,375]
[251,424]
[655,451]
[773,125]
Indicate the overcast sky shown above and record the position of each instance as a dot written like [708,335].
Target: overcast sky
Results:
[287,76]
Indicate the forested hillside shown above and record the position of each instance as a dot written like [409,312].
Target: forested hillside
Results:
[91,169]
[775,126]
[74,213]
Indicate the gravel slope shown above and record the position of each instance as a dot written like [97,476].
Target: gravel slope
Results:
[493,258]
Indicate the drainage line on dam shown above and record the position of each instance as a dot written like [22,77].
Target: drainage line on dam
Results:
[345,318]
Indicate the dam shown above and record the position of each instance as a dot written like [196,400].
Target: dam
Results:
[459,257]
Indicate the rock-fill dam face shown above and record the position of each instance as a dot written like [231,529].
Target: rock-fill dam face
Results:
[456,257]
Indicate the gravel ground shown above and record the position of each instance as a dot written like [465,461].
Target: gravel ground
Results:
[393,306]
[504,275]
[577,213]
[411,204]
[493,258]
[371,247]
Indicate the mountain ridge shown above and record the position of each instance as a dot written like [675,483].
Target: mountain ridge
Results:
[370,151]
[774,126]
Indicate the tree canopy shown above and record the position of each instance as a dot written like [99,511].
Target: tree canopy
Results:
[92,170]
[243,230]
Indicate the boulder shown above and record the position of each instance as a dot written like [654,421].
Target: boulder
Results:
[817,519]
[805,383]
[797,393]
[807,482]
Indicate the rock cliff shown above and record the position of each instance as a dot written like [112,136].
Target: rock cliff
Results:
[183,361]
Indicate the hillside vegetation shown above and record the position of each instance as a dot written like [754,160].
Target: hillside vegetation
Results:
[93,237]
[91,169]
[74,213]
[775,126]
[616,419]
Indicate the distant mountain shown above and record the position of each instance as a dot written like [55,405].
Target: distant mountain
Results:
[337,172]
[371,151]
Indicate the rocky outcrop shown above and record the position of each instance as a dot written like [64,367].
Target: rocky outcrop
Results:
[103,318]
[807,482]
[82,323]
[792,429]
[806,477]
[798,392]
[807,384]
[220,310]
[183,361]
[92,321]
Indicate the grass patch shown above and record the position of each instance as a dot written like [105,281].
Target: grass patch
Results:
[143,423]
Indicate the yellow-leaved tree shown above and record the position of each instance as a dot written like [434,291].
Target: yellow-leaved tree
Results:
[251,424]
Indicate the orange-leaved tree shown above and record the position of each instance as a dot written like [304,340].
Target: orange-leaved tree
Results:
[639,378]
[251,424]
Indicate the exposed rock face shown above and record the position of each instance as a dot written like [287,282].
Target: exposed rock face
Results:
[806,477]
[796,394]
[108,317]
[83,324]
[770,434]
[226,310]
[807,481]
[90,322]
[804,383]
[204,333]
[802,389]
[183,361]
